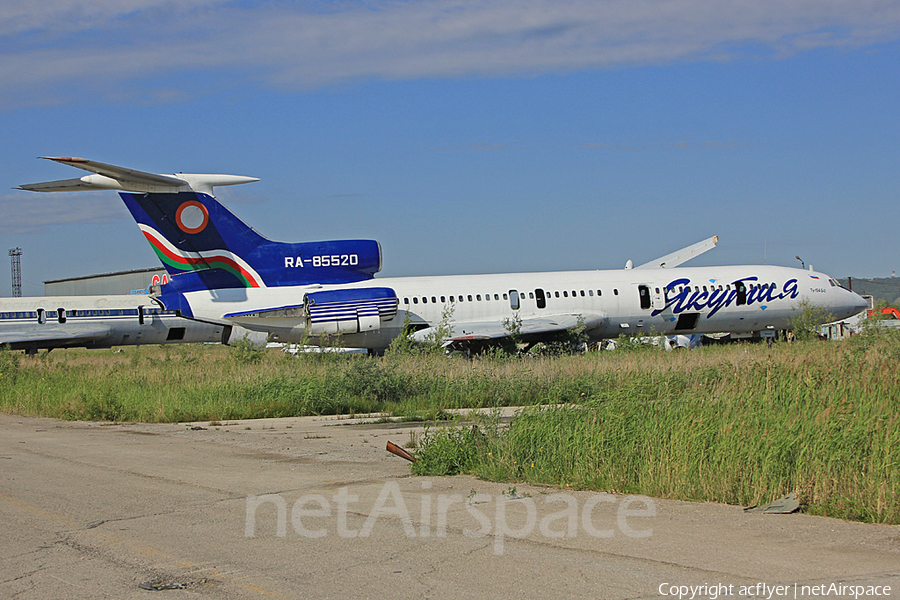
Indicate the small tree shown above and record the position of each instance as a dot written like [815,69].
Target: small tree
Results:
[244,351]
[434,341]
[402,345]
[807,319]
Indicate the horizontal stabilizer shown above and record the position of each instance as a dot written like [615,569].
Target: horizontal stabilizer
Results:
[112,177]
[63,185]
[121,174]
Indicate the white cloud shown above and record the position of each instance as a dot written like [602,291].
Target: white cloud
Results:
[55,17]
[36,213]
[69,46]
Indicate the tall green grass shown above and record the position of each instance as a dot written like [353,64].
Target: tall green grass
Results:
[740,424]
[822,420]
[190,383]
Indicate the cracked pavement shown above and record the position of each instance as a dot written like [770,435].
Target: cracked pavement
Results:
[315,507]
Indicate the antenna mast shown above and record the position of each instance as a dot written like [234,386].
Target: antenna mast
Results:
[15,257]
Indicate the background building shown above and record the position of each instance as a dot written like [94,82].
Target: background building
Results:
[122,282]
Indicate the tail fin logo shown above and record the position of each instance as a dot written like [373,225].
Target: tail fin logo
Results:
[180,260]
[192,217]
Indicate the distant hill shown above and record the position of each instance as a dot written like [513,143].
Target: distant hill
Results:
[882,288]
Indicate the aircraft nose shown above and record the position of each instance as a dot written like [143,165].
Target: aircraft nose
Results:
[859,303]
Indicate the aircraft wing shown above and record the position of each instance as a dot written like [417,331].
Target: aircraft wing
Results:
[681,256]
[54,336]
[533,329]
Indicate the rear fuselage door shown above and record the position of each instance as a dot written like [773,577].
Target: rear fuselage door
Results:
[514,299]
[651,297]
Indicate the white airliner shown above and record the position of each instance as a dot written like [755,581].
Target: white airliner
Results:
[223,272]
[47,322]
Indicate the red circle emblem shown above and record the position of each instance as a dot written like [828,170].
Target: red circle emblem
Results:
[192,217]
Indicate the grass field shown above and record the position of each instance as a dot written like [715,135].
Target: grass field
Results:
[738,424]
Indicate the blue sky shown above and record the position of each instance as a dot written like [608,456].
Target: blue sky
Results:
[466,136]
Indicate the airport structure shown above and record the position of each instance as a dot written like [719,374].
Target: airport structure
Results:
[122,282]
[15,258]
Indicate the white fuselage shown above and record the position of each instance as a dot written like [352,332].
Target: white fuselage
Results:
[95,322]
[705,300]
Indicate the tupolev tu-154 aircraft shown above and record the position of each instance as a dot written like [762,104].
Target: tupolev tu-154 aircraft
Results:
[223,272]
[48,322]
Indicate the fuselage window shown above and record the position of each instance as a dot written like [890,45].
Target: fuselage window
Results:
[415,300]
[582,293]
[556,294]
[565,294]
[470,297]
[478,297]
[505,297]
[599,292]
[531,295]
[496,296]
[434,300]
[615,291]
[443,298]
[591,293]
